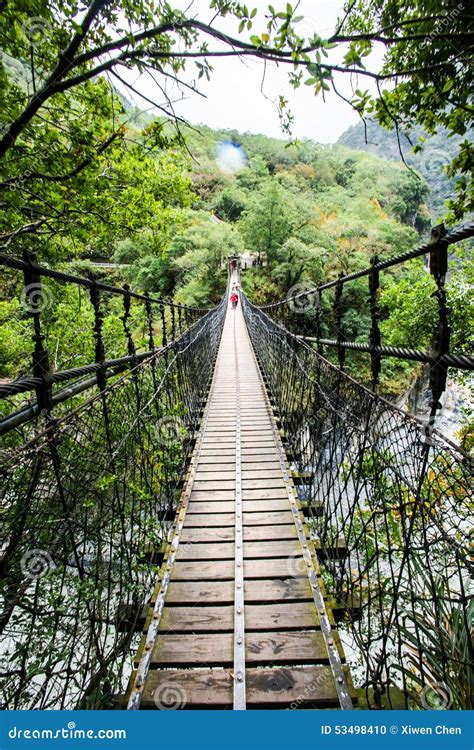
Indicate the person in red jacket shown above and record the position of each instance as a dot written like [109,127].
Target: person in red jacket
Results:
[234,299]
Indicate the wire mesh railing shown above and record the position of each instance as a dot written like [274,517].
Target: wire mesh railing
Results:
[79,333]
[389,505]
[85,508]
[319,314]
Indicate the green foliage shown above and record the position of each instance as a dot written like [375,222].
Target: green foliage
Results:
[269,220]
[230,203]
[428,154]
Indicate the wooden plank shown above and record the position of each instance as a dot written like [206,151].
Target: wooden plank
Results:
[218,507]
[277,590]
[216,550]
[263,483]
[222,506]
[176,650]
[212,495]
[214,447]
[253,440]
[214,465]
[196,520]
[200,592]
[214,484]
[215,461]
[224,569]
[215,534]
[286,647]
[291,687]
[258,617]
[250,506]
[260,463]
[263,473]
[197,619]
[172,689]
[218,450]
[270,687]
[273,568]
[222,592]
[281,616]
[264,494]
[254,533]
[204,571]
[266,549]
[258,451]
[198,551]
[213,475]
[266,518]
[172,650]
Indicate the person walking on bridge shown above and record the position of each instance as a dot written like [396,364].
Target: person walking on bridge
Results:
[234,298]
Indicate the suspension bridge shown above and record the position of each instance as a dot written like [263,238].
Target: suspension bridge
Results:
[228,519]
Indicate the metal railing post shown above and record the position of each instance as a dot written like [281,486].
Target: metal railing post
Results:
[33,296]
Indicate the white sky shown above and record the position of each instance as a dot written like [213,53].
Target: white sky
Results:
[234,98]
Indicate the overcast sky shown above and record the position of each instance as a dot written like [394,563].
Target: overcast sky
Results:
[234,98]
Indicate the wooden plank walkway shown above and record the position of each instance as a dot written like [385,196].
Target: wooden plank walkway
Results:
[239,618]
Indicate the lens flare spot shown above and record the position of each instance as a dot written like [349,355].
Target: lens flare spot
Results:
[230,157]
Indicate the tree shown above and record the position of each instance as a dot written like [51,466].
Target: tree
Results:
[200,251]
[296,261]
[230,203]
[58,127]
[269,220]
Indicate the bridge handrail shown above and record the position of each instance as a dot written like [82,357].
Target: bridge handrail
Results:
[173,319]
[305,342]
[463,232]
[304,311]
[19,264]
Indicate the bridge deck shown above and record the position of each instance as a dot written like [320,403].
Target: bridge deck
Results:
[238,619]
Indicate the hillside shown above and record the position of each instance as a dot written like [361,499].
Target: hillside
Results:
[437,152]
